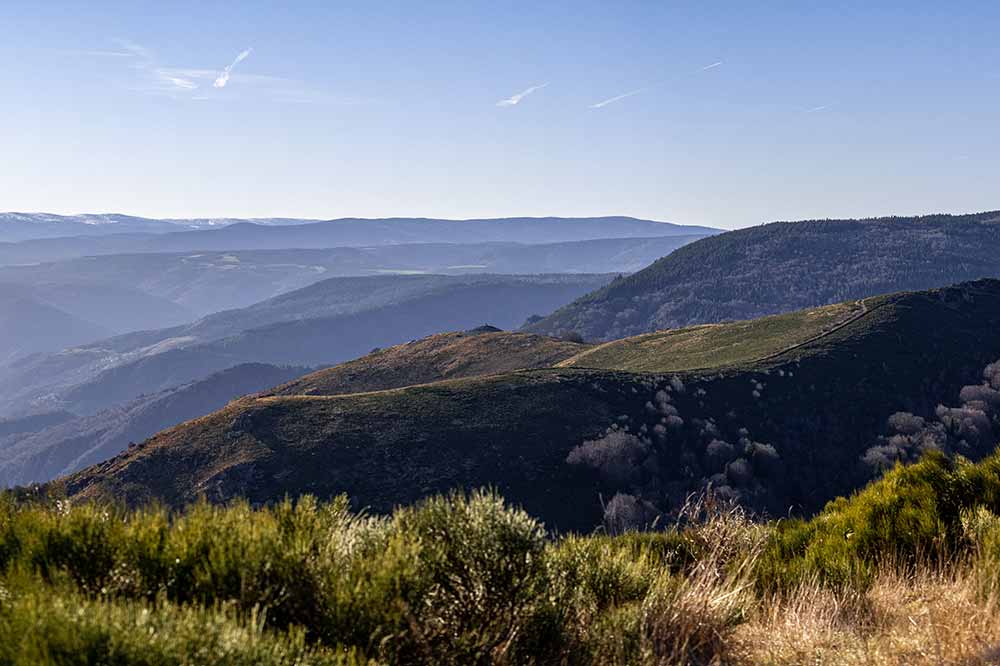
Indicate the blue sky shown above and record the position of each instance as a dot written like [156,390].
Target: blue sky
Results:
[381,109]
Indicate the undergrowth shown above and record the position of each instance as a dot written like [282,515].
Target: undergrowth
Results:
[468,579]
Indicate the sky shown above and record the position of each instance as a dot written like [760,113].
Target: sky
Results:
[726,114]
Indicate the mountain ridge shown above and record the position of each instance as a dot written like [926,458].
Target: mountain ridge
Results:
[262,234]
[785,266]
[788,430]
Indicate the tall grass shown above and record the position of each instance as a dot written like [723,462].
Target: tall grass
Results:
[468,579]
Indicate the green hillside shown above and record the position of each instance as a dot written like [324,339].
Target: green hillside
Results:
[717,345]
[785,431]
[783,267]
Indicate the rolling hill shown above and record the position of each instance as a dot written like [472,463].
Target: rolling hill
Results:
[202,283]
[783,267]
[46,317]
[40,448]
[325,323]
[780,426]
[29,325]
[49,445]
[475,353]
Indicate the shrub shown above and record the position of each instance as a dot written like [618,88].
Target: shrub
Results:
[480,564]
[913,513]
[38,628]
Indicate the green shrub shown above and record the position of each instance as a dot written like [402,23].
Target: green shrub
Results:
[912,514]
[480,564]
[40,628]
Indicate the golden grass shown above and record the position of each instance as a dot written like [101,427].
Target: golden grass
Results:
[931,617]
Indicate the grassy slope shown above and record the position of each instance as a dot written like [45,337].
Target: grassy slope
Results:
[716,345]
[783,267]
[385,448]
[820,405]
[442,356]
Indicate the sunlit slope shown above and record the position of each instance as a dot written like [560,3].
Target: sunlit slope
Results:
[484,351]
[717,345]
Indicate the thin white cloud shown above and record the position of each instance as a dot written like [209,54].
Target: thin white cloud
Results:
[712,66]
[514,100]
[159,79]
[175,81]
[223,78]
[197,83]
[817,109]
[617,98]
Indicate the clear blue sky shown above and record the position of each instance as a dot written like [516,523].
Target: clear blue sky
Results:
[379,109]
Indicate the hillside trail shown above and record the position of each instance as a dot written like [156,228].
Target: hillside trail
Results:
[850,320]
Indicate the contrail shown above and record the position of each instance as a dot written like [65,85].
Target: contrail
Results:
[816,109]
[617,98]
[712,66]
[224,77]
[515,99]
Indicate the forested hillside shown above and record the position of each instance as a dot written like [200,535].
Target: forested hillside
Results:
[786,266]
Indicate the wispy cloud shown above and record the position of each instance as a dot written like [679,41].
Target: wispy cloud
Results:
[514,100]
[157,79]
[223,78]
[817,109]
[153,77]
[712,66]
[617,98]
[175,81]
[136,50]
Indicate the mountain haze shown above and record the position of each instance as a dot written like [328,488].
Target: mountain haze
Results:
[202,283]
[325,323]
[41,451]
[348,232]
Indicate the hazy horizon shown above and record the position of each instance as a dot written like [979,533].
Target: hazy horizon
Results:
[251,218]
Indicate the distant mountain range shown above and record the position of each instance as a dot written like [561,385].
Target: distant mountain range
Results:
[134,235]
[31,226]
[781,422]
[207,282]
[786,266]
[42,447]
[322,324]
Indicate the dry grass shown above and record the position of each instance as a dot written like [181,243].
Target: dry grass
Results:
[931,617]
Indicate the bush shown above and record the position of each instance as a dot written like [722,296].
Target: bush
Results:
[480,565]
[38,628]
[913,514]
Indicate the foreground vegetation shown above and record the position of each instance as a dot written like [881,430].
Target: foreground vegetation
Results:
[905,571]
